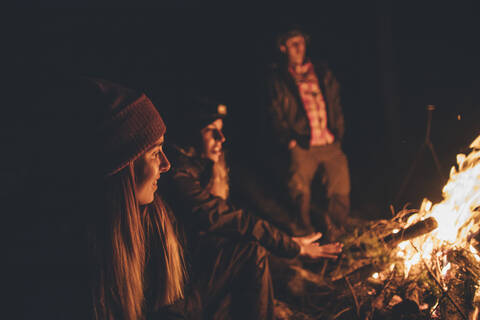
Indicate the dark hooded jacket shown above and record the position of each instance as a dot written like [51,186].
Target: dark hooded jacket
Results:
[202,213]
[286,113]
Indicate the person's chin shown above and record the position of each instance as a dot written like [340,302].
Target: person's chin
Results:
[145,201]
[151,199]
[214,157]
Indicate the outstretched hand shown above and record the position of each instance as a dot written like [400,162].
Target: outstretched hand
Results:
[311,249]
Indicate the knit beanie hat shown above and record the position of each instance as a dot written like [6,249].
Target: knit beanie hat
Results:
[197,113]
[128,125]
[200,112]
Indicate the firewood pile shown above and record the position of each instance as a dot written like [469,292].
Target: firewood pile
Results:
[370,281]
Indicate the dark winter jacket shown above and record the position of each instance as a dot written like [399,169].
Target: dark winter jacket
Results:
[203,213]
[286,113]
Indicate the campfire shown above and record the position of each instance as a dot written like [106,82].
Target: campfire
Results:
[457,216]
[448,253]
[421,264]
[433,258]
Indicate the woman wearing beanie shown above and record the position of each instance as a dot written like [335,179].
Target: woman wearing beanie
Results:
[137,268]
[228,247]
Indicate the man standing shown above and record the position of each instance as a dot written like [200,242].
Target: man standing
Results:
[306,115]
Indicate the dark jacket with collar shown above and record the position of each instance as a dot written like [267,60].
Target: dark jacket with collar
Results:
[202,213]
[287,114]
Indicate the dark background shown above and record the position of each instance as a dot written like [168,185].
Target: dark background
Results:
[392,59]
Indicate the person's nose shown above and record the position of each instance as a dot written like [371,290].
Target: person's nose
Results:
[164,163]
[219,136]
[222,137]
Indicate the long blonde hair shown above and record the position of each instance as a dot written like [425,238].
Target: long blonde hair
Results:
[120,243]
[167,257]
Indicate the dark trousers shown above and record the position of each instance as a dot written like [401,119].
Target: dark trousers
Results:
[230,269]
[304,165]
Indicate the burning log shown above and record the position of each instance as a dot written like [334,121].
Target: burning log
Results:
[418,229]
[393,239]
[363,263]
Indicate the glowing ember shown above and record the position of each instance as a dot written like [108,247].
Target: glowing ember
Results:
[445,269]
[457,216]
[475,253]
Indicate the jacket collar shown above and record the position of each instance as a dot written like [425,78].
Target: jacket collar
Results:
[319,68]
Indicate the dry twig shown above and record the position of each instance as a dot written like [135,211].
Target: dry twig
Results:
[357,306]
[340,313]
[444,292]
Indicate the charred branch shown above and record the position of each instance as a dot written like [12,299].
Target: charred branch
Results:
[418,229]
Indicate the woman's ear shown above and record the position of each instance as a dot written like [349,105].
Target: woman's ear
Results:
[283,49]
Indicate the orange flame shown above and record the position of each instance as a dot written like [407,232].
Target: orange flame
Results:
[457,216]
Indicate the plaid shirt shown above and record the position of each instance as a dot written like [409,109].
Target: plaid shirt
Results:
[313,103]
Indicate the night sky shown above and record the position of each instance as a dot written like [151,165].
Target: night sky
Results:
[392,60]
